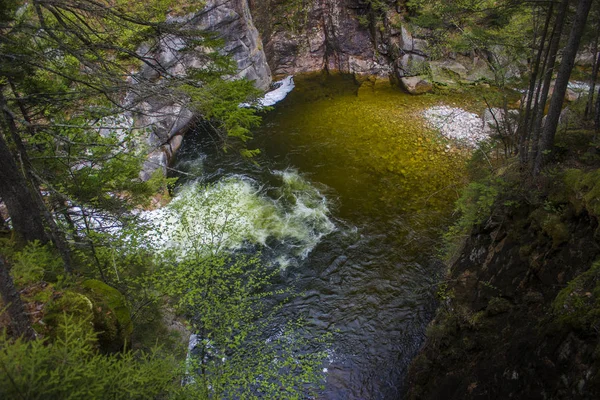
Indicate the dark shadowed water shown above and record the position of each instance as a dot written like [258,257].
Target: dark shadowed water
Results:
[387,186]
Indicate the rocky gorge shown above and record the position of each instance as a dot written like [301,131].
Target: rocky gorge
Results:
[516,281]
[280,38]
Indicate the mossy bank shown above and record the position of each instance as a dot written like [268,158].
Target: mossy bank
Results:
[519,312]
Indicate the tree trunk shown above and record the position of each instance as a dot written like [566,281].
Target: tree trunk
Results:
[562,81]
[597,119]
[543,87]
[19,320]
[21,206]
[527,121]
[56,235]
[589,107]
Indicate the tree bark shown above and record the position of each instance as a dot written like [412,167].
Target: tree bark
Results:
[19,320]
[543,87]
[56,235]
[562,81]
[26,221]
[597,118]
[589,107]
[527,122]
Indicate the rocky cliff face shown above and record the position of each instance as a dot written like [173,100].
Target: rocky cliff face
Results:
[229,20]
[341,35]
[350,37]
[314,35]
[519,315]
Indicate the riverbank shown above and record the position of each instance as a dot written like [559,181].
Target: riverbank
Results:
[518,315]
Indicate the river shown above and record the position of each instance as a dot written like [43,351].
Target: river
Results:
[357,192]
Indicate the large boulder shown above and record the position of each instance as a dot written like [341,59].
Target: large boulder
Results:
[448,72]
[416,85]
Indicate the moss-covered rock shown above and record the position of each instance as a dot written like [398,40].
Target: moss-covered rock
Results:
[578,305]
[583,189]
[503,284]
[498,305]
[551,224]
[112,317]
[73,304]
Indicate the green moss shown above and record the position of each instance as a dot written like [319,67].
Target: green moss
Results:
[525,251]
[72,304]
[583,190]
[113,299]
[498,305]
[112,318]
[551,225]
[578,305]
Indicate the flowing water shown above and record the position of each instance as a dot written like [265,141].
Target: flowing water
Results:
[348,199]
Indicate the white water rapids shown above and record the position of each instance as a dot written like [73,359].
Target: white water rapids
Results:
[234,211]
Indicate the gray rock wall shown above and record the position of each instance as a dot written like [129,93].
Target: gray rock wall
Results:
[165,120]
[313,35]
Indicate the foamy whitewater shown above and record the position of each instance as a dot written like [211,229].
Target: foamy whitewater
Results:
[234,212]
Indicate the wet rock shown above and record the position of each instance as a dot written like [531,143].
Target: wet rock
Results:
[537,322]
[406,39]
[420,46]
[411,65]
[479,70]
[232,21]
[317,35]
[157,160]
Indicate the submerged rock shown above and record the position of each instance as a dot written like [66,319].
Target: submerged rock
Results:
[456,123]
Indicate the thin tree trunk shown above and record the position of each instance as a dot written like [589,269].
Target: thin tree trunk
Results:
[597,119]
[56,235]
[544,84]
[562,81]
[526,123]
[589,107]
[20,203]
[19,320]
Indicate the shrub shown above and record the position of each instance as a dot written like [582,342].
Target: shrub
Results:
[71,368]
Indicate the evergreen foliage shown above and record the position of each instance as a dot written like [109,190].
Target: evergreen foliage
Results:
[70,367]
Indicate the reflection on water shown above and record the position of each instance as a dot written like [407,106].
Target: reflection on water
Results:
[349,195]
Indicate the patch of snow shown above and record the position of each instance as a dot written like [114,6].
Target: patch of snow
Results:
[283,88]
[273,97]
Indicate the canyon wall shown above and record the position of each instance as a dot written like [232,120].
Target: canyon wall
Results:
[341,35]
[166,120]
